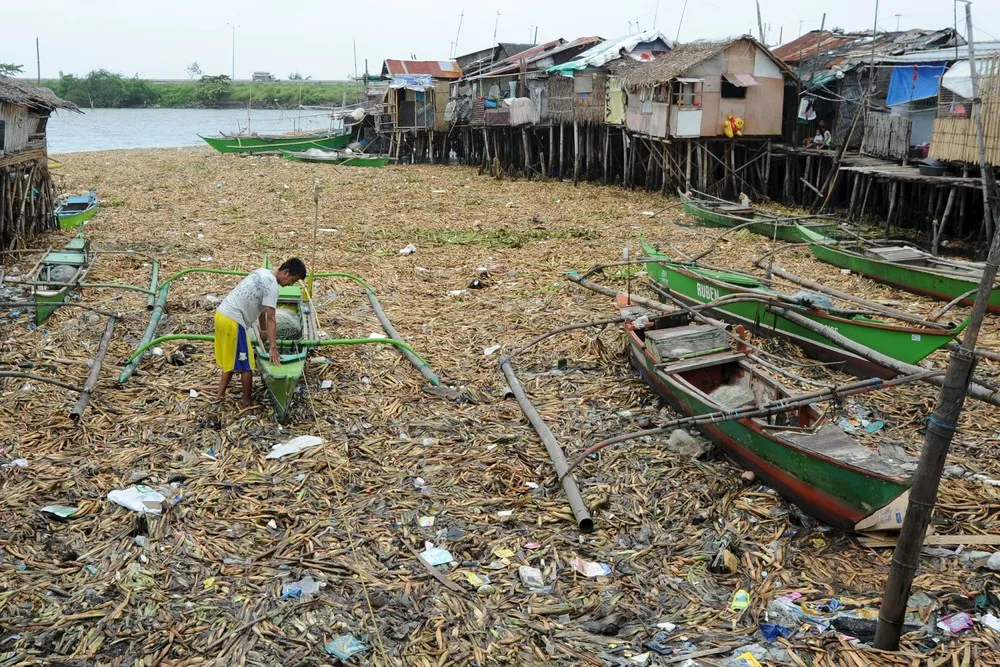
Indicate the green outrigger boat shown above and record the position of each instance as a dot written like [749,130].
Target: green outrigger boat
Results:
[68,266]
[76,210]
[274,143]
[808,460]
[721,213]
[281,381]
[337,158]
[693,284]
[905,267]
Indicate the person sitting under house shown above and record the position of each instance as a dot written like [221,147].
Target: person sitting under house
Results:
[253,300]
[822,138]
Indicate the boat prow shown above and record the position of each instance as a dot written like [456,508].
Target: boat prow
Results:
[76,210]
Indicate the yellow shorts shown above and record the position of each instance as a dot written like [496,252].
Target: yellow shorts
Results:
[233,351]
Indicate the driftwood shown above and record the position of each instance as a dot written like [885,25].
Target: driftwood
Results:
[95,371]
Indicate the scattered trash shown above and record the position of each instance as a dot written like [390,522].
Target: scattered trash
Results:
[193,394]
[476,580]
[990,621]
[157,351]
[741,600]
[294,446]
[16,463]
[425,521]
[772,631]
[641,659]
[531,577]
[503,514]
[345,647]
[305,587]
[743,660]
[531,546]
[476,283]
[589,568]
[956,623]
[141,541]
[61,511]
[667,626]
[436,556]
[408,250]
[491,350]
[919,601]
[138,498]
[486,590]
[326,384]
[501,552]
[993,563]
[272,524]
[457,292]
[419,483]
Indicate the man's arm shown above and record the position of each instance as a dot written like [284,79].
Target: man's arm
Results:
[272,336]
[262,322]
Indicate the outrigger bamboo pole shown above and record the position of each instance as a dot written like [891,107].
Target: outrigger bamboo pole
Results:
[154,319]
[95,371]
[580,511]
[39,378]
[154,276]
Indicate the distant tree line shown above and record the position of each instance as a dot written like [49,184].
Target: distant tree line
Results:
[104,89]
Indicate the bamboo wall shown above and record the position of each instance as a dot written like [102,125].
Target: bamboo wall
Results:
[886,135]
[18,126]
[27,199]
[954,139]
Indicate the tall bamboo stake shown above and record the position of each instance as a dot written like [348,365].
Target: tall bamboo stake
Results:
[312,260]
[942,423]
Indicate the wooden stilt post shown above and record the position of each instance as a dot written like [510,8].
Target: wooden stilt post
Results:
[526,144]
[625,162]
[687,167]
[607,151]
[576,152]
[893,191]
[552,148]
[944,221]
[562,150]
[864,200]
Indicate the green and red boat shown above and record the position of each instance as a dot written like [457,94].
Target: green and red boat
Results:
[722,213]
[808,460]
[693,284]
[905,267]
[275,143]
[337,158]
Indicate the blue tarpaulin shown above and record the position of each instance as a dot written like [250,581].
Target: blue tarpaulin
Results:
[914,82]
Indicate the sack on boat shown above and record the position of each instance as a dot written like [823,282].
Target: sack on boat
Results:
[62,273]
[814,300]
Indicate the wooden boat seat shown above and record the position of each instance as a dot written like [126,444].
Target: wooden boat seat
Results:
[828,440]
[736,209]
[899,254]
[685,342]
[71,258]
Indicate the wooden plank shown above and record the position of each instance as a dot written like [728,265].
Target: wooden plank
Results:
[879,542]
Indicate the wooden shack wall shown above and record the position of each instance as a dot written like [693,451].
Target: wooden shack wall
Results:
[954,139]
[442,95]
[17,127]
[614,101]
[886,135]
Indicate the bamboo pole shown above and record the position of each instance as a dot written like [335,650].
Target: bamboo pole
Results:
[942,423]
[39,378]
[154,319]
[580,511]
[95,371]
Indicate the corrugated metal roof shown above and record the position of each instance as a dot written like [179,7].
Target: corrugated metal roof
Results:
[439,69]
[806,45]
[534,55]
[982,49]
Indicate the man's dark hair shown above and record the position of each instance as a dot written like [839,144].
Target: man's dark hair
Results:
[295,267]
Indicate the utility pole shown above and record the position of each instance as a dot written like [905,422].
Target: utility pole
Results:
[38,61]
[459,33]
[897,21]
[943,422]
[681,21]
[760,26]
[655,13]
[355,58]
[234,27]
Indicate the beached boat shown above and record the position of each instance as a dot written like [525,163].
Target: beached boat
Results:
[810,461]
[76,210]
[905,267]
[337,158]
[282,381]
[68,266]
[693,284]
[273,143]
[721,213]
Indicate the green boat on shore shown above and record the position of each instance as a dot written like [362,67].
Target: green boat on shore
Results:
[693,285]
[337,158]
[721,213]
[274,143]
[76,210]
[68,267]
[906,268]
[807,459]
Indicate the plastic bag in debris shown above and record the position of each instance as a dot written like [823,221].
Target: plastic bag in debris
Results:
[305,587]
[294,446]
[345,647]
[813,300]
[138,498]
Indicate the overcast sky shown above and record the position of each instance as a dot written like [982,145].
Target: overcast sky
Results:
[160,38]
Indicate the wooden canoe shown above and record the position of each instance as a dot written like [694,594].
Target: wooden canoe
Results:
[696,285]
[809,461]
[282,381]
[273,143]
[337,158]
[77,255]
[721,213]
[76,210]
[906,268]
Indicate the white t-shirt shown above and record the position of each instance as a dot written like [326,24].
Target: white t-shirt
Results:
[255,292]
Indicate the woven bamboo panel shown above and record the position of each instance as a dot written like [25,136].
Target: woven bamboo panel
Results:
[954,139]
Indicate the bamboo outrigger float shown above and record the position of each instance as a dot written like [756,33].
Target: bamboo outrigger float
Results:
[281,381]
[721,213]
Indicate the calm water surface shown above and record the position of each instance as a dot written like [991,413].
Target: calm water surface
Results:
[109,129]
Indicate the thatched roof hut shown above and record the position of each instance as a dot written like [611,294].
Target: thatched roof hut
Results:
[22,94]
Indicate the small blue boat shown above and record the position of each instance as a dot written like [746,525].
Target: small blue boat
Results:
[76,210]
